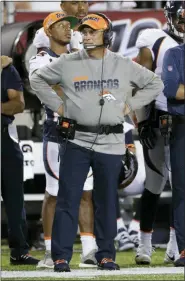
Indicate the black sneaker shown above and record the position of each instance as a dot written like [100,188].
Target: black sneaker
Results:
[61,266]
[23,259]
[181,261]
[108,264]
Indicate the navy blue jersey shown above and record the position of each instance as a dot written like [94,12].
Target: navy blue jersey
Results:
[172,76]
[10,79]
[129,138]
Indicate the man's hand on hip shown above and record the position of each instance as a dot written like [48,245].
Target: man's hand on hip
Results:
[126,110]
[60,110]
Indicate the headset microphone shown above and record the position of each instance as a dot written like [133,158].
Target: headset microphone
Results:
[90,47]
[101,102]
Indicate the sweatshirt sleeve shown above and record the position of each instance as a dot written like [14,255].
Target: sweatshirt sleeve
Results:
[148,83]
[42,79]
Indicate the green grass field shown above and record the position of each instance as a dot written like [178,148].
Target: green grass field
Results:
[124,259]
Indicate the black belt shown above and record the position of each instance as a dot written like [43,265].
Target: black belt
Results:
[178,119]
[102,129]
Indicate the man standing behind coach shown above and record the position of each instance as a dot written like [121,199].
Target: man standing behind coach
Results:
[12,190]
[174,82]
[99,137]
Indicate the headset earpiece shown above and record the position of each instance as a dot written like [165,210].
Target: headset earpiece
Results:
[108,33]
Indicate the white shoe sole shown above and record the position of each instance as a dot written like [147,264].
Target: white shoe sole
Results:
[126,247]
[143,259]
[168,259]
[45,266]
[85,265]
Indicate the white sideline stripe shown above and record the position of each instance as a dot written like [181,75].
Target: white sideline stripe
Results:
[78,273]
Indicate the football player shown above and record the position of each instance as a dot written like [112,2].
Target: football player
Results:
[152,45]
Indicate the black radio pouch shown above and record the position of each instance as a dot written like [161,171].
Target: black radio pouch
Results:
[66,128]
[165,126]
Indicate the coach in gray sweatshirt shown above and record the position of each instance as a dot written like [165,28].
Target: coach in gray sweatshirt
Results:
[97,86]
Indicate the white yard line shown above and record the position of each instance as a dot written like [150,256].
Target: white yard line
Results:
[89,273]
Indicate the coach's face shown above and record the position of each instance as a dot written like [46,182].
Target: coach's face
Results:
[92,37]
[60,32]
[78,9]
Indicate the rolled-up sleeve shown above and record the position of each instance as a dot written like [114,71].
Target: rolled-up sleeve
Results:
[13,80]
[170,74]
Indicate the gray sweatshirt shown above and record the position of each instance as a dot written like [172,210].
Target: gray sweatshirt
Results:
[82,79]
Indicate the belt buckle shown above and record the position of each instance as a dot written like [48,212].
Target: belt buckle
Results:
[107,129]
[104,129]
[101,130]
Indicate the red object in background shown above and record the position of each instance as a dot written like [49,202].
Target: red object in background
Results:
[127,25]
[132,15]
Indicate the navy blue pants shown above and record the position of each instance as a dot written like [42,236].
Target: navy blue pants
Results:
[74,168]
[177,157]
[13,194]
